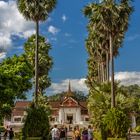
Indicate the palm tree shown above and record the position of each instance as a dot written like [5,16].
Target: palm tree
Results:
[36,11]
[109,21]
[116,28]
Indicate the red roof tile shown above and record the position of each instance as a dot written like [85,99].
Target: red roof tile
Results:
[22,104]
[55,104]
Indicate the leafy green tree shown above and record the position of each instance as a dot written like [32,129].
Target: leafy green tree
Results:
[15,80]
[36,11]
[99,102]
[132,100]
[43,102]
[36,123]
[45,61]
[77,95]
[116,122]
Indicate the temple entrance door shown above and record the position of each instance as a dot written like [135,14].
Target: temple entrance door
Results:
[70,118]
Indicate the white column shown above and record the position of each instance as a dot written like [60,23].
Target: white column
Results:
[61,115]
[74,118]
[133,121]
[78,115]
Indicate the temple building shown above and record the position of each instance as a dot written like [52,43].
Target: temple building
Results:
[67,111]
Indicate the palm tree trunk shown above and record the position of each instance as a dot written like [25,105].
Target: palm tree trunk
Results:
[98,72]
[105,72]
[112,72]
[107,66]
[103,76]
[36,63]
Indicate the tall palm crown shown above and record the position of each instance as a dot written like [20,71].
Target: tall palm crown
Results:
[36,10]
[108,22]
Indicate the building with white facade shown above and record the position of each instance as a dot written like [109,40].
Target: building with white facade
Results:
[66,111]
[69,110]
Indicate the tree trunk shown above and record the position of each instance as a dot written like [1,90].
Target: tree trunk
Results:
[107,66]
[99,72]
[103,72]
[112,72]
[36,63]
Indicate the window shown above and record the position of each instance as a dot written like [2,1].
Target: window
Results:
[84,112]
[52,119]
[86,119]
[17,119]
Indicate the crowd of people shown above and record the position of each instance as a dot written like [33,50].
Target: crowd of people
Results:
[77,133]
[8,134]
[60,133]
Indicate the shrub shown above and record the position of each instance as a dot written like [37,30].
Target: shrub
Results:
[97,135]
[137,128]
[18,135]
[116,122]
[2,129]
[36,123]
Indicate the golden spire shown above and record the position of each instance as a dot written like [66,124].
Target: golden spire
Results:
[69,92]
[69,88]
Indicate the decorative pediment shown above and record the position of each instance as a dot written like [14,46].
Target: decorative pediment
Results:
[70,102]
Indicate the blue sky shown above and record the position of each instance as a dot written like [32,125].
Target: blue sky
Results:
[66,31]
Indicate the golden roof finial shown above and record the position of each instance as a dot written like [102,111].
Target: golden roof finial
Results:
[69,88]
[69,92]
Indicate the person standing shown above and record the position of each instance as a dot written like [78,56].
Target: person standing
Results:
[85,134]
[6,133]
[55,133]
[62,133]
[90,133]
[66,131]
[11,134]
[77,135]
[0,134]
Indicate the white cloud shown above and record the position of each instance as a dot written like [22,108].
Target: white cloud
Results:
[5,41]
[2,55]
[53,30]
[12,22]
[25,34]
[67,34]
[64,18]
[128,78]
[132,38]
[76,85]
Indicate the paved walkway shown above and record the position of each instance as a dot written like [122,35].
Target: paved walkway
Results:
[134,137]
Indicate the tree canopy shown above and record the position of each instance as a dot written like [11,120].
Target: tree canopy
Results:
[44,60]
[108,23]
[77,95]
[36,11]
[15,80]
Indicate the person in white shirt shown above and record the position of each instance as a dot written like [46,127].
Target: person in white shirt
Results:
[55,133]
